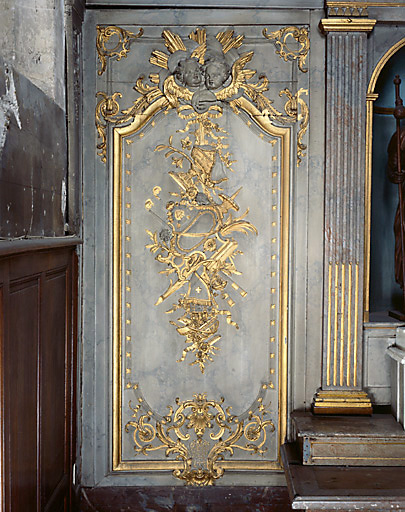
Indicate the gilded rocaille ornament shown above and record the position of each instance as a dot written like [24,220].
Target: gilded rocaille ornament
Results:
[280,40]
[199,433]
[120,46]
[107,108]
[206,72]
[291,109]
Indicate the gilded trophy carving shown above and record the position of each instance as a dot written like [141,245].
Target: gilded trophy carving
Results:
[199,260]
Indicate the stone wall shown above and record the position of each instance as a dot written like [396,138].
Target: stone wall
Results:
[33,147]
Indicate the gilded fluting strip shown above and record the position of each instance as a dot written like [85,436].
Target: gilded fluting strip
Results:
[342,325]
[335,339]
[349,325]
[329,325]
[367,207]
[356,314]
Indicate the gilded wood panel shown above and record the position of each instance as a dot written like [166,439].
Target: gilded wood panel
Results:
[200,159]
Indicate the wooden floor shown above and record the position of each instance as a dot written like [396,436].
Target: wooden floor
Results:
[185,499]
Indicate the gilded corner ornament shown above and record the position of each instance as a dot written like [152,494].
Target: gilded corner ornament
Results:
[280,39]
[107,109]
[199,433]
[291,109]
[119,47]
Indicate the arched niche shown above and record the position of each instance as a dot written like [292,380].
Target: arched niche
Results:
[382,292]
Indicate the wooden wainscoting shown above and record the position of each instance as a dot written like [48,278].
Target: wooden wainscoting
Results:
[38,300]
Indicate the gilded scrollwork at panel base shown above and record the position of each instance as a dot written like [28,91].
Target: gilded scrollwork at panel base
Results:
[199,432]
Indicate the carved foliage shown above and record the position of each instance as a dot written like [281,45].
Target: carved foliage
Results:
[118,49]
[280,40]
[291,109]
[199,433]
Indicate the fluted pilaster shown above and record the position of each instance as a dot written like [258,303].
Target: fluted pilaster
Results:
[344,217]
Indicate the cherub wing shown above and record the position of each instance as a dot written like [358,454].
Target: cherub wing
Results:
[174,91]
[239,76]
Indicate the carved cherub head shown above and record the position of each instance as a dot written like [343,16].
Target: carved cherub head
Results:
[189,73]
[217,72]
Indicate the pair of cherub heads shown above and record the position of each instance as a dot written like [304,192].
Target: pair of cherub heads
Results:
[212,75]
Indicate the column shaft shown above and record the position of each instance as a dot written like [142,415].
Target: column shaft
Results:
[344,224]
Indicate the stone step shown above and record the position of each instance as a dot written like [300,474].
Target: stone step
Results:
[376,440]
[316,488]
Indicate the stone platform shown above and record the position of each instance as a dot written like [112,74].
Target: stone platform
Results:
[376,440]
[316,488]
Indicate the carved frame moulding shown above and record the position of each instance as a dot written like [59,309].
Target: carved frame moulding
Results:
[201,166]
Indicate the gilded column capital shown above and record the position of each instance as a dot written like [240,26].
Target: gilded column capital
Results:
[346,25]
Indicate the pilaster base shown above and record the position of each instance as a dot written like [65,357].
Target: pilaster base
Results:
[341,402]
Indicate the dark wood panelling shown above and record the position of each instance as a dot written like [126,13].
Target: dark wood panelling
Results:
[185,499]
[53,355]
[37,299]
[21,365]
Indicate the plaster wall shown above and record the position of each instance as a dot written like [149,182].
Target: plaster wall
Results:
[33,145]
[33,42]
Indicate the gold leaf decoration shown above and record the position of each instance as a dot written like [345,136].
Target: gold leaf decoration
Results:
[291,109]
[200,433]
[173,42]
[202,261]
[280,40]
[107,108]
[119,49]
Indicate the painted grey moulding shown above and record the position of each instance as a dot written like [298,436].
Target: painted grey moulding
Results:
[276,4]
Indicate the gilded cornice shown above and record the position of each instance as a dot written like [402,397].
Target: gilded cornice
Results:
[346,25]
[356,9]
[362,5]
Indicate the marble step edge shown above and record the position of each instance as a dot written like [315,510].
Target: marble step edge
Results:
[352,452]
[376,427]
[306,493]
